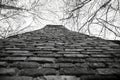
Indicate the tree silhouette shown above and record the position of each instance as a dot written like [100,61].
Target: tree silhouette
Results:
[86,16]
[15,13]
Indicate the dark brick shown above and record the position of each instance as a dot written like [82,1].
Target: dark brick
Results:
[20,45]
[8,71]
[70,60]
[113,65]
[16,78]
[98,77]
[117,55]
[42,52]
[25,64]
[3,64]
[4,54]
[90,52]
[94,50]
[37,72]
[76,71]
[12,49]
[108,71]
[65,65]
[100,60]
[49,55]
[82,65]
[117,60]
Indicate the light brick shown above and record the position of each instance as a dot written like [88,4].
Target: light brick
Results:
[16,78]
[41,59]
[60,78]
[8,71]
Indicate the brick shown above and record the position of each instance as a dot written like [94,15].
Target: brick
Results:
[8,71]
[113,65]
[76,71]
[15,58]
[12,49]
[76,55]
[97,65]
[50,65]
[82,65]
[86,47]
[4,54]
[100,59]
[90,52]
[116,54]
[40,78]
[37,72]
[60,78]
[112,44]
[25,64]
[95,50]
[117,60]
[31,49]
[101,55]
[74,50]
[17,51]
[22,54]
[68,52]
[16,78]
[108,71]
[41,59]
[69,60]
[42,52]
[49,55]
[98,77]
[65,65]
[45,47]
[3,64]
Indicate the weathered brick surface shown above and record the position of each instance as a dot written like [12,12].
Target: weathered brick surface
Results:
[3,64]
[38,72]
[76,55]
[99,77]
[16,78]
[98,65]
[8,71]
[60,78]
[41,59]
[108,71]
[76,71]
[25,64]
[14,58]
[50,65]
[56,53]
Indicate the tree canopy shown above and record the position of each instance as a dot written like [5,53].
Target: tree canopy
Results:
[94,17]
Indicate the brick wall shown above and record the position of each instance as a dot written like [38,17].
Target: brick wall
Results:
[56,53]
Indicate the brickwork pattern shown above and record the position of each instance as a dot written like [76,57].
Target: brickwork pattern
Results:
[56,53]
